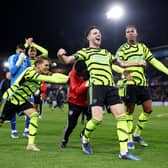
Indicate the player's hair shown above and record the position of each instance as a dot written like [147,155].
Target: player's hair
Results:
[130,26]
[81,69]
[20,46]
[40,60]
[89,29]
[80,66]
[32,49]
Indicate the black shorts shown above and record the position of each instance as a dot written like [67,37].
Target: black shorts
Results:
[8,109]
[103,96]
[37,99]
[136,94]
[75,111]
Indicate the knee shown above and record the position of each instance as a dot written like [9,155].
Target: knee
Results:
[147,109]
[34,114]
[130,108]
[97,114]
[96,122]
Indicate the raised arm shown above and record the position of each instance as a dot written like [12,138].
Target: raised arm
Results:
[15,61]
[43,51]
[159,66]
[29,43]
[61,54]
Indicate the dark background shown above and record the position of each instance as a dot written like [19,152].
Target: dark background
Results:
[54,24]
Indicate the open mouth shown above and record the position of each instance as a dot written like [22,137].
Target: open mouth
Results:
[98,39]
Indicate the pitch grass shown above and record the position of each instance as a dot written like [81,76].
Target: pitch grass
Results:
[104,144]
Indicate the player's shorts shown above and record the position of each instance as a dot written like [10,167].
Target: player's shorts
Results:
[100,95]
[8,109]
[75,111]
[136,94]
[37,99]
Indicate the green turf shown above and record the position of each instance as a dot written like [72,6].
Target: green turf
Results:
[104,144]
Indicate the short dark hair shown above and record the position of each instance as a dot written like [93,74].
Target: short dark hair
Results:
[81,69]
[32,49]
[89,29]
[80,66]
[40,60]
[129,26]
[20,46]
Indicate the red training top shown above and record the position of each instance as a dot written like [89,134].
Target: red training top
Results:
[77,90]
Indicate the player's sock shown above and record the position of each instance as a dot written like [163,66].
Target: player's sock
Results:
[27,122]
[90,127]
[130,126]
[33,127]
[143,118]
[13,123]
[122,132]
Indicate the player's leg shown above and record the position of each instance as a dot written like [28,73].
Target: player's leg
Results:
[40,109]
[142,120]
[117,109]
[26,130]
[73,115]
[96,102]
[97,116]
[87,113]
[145,98]
[33,126]
[122,132]
[130,101]
[7,110]
[14,133]
[129,114]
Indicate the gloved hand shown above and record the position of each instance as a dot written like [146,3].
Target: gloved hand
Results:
[22,57]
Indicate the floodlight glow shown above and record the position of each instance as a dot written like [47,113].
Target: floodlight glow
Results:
[6,64]
[115,12]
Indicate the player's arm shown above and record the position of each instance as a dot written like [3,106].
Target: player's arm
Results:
[158,65]
[125,64]
[61,54]
[43,51]
[12,65]
[54,78]
[29,43]
[122,71]
[15,62]
[117,69]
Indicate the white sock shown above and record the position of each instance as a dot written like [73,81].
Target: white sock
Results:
[13,131]
[26,130]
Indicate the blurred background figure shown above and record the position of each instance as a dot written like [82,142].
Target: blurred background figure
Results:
[18,62]
[5,84]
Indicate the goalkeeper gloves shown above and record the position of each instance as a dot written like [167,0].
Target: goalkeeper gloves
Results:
[22,57]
